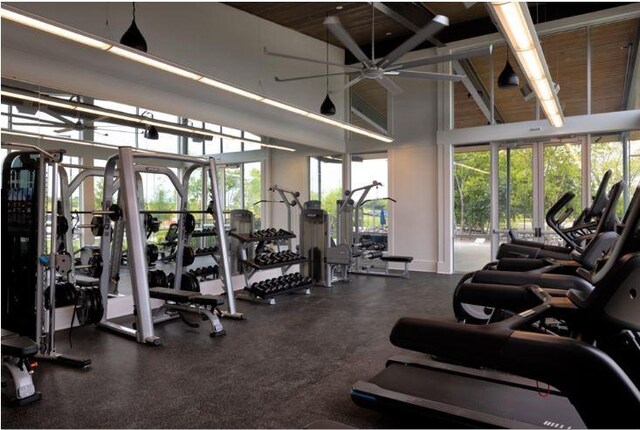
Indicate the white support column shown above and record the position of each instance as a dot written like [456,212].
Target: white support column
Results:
[585,143]
[445,209]
[495,201]
[346,171]
[538,185]
[445,174]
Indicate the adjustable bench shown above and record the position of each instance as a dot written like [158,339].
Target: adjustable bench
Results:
[179,302]
[16,353]
[387,259]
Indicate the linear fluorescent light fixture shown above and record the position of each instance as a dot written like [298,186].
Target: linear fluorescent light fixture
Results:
[7,132]
[51,101]
[515,23]
[120,50]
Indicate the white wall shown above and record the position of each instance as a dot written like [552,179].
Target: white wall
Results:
[290,171]
[413,173]
[211,38]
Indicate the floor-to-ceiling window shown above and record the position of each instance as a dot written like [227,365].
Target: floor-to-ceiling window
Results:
[472,207]
[373,222]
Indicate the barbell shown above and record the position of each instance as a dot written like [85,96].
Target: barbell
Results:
[97,223]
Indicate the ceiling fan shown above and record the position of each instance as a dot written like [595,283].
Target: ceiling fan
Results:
[379,69]
[65,125]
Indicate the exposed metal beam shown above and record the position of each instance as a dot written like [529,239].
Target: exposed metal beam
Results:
[368,120]
[632,75]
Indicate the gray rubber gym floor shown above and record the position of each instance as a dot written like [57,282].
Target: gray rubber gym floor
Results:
[285,366]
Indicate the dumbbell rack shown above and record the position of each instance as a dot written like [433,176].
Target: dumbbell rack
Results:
[213,254]
[250,268]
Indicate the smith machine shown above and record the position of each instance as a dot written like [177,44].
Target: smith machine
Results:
[175,299]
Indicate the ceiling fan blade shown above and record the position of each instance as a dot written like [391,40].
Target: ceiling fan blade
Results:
[335,27]
[311,60]
[352,82]
[389,85]
[61,118]
[427,75]
[485,50]
[435,25]
[299,78]
[63,130]
[35,124]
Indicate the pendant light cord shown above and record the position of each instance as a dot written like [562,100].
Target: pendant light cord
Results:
[327,61]
[134,11]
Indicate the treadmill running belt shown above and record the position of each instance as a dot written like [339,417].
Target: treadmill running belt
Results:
[469,399]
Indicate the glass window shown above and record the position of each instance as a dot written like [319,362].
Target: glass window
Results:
[515,187]
[325,180]
[562,170]
[634,160]
[4,119]
[374,213]
[325,177]
[194,193]
[248,146]
[160,195]
[252,184]
[607,154]
[471,207]
[213,146]
[233,187]
[115,134]
[231,145]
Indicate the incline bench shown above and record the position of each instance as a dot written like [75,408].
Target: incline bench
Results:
[188,302]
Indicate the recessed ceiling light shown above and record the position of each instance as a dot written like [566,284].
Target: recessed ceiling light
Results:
[339,7]
[388,33]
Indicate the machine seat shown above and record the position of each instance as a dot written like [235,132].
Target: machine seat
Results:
[20,346]
[397,258]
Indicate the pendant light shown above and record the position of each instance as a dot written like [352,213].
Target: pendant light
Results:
[327,108]
[132,37]
[508,77]
[151,132]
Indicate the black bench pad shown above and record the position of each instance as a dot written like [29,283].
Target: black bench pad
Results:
[397,258]
[178,296]
[207,299]
[21,347]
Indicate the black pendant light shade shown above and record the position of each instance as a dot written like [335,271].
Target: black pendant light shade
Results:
[151,133]
[132,37]
[327,107]
[508,77]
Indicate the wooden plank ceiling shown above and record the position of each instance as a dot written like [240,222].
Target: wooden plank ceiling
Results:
[307,18]
[566,53]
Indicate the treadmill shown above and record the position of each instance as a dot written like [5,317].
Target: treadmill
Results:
[574,236]
[506,374]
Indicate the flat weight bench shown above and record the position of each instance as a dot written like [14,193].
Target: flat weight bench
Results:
[397,259]
[389,259]
[188,302]
[16,353]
